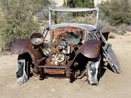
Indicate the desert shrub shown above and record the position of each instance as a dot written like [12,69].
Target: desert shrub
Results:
[79,3]
[18,19]
[42,10]
[117,11]
[66,17]
[58,20]
[86,19]
[80,17]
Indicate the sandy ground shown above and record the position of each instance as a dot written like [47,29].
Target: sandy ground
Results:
[111,85]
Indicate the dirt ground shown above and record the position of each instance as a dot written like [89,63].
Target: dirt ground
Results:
[111,85]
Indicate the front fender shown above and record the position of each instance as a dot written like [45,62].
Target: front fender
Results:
[90,49]
[22,46]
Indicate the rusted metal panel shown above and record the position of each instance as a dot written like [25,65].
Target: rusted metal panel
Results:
[62,30]
[37,38]
[90,49]
[108,52]
[111,58]
[54,71]
[22,46]
[87,27]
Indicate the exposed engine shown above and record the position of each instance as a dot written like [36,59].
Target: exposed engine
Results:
[56,59]
[64,48]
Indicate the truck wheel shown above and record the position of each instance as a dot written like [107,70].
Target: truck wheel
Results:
[94,67]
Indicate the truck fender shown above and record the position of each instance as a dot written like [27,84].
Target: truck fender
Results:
[90,49]
[22,46]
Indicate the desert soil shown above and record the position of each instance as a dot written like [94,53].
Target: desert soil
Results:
[111,85]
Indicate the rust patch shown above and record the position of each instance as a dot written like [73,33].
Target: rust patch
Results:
[60,30]
[90,48]
[22,46]
[54,71]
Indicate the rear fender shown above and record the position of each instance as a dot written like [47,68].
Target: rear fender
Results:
[22,46]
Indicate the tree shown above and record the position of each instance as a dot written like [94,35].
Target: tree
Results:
[117,11]
[80,3]
[65,4]
[18,19]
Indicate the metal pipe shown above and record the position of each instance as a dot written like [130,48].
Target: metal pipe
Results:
[50,13]
[55,17]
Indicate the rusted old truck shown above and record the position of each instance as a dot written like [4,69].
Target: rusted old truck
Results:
[72,50]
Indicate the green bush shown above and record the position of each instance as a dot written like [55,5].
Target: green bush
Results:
[117,12]
[80,3]
[18,19]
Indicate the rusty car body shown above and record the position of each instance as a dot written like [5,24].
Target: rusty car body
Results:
[69,49]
